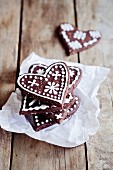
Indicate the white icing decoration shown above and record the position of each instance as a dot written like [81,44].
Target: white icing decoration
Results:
[32,69]
[74,106]
[56,75]
[33,83]
[50,72]
[85,44]
[71,109]
[76,102]
[51,87]
[83,36]
[65,36]
[35,77]
[67,27]
[67,100]
[32,102]
[37,108]
[94,34]
[46,121]
[36,117]
[42,107]
[40,71]
[63,72]
[41,78]
[31,77]
[90,42]
[36,120]
[58,116]
[38,124]
[42,123]
[79,35]
[94,40]
[75,45]
[48,76]
[77,76]
[46,72]
[72,73]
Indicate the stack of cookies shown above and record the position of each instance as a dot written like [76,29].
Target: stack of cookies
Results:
[48,93]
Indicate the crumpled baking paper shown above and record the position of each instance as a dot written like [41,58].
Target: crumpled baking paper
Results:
[71,132]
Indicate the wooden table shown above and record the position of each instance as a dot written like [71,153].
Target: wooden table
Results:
[30,25]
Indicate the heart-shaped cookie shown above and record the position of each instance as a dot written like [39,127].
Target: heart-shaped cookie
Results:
[41,121]
[75,40]
[75,73]
[52,86]
[35,106]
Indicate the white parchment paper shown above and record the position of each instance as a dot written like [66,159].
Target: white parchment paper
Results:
[73,131]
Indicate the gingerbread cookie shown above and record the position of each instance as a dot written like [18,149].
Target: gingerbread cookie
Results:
[52,86]
[35,106]
[75,73]
[41,121]
[75,40]
[39,124]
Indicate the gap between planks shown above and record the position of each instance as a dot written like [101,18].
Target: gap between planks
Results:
[78,55]
[17,71]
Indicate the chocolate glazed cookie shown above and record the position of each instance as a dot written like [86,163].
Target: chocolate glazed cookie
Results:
[75,40]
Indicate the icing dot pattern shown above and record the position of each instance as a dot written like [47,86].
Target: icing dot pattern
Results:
[53,89]
[79,35]
[67,27]
[49,118]
[76,40]
[48,85]
[75,75]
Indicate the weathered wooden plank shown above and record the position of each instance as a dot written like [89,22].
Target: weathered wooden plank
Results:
[9,33]
[98,15]
[40,19]
[40,28]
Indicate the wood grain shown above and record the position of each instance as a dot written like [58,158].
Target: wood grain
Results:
[9,33]
[98,15]
[39,31]
[40,19]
